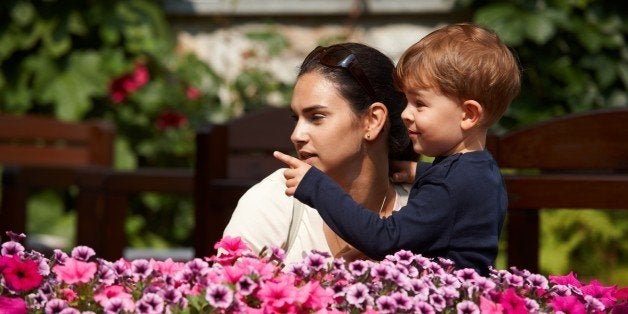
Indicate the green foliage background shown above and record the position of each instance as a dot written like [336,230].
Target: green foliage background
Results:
[58,57]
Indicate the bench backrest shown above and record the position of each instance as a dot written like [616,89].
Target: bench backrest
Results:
[575,161]
[44,141]
[230,158]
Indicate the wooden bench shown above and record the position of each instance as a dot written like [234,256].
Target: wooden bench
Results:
[575,161]
[42,152]
[230,158]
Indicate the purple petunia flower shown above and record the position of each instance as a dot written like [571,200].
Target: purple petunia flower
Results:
[219,296]
[403,301]
[55,306]
[466,274]
[83,253]
[403,257]
[70,310]
[467,307]
[515,281]
[171,295]
[438,301]
[315,261]
[532,306]
[593,305]
[150,303]
[11,248]
[380,271]
[358,268]
[538,281]
[141,268]
[386,304]
[357,295]
[60,256]
[15,237]
[277,253]
[422,307]
[246,286]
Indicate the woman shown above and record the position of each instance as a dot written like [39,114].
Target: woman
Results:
[348,125]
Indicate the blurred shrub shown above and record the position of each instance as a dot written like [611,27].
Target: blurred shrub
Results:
[117,60]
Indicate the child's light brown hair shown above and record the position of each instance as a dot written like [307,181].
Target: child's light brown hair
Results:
[466,62]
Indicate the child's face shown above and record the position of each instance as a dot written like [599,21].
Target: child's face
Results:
[433,121]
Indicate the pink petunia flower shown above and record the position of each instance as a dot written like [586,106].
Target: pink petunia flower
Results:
[125,299]
[314,297]
[75,271]
[167,267]
[21,276]
[596,290]
[568,305]
[569,279]
[512,303]
[489,307]
[278,296]
[12,305]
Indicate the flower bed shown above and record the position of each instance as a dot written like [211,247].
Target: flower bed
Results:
[236,281]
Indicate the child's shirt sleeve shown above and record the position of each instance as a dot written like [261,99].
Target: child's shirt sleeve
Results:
[423,225]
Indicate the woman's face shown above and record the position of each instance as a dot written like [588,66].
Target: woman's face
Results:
[328,134]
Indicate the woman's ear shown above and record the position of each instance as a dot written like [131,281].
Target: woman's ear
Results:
[375,120]
[473,113]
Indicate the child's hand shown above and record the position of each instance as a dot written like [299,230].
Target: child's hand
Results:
[295,173]
[403,171]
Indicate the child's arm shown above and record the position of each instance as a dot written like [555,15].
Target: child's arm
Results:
[418,226]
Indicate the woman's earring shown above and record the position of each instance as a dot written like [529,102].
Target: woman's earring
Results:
[368,136]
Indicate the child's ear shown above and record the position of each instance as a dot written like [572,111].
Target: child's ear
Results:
[473,113]
[375,120]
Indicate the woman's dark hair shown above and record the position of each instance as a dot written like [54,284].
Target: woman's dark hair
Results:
[378,69]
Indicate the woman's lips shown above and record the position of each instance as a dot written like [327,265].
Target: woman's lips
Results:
[307,157]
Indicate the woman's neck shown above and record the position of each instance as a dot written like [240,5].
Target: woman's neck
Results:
[370,185]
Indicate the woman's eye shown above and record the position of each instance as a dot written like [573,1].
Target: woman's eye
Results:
[317,116]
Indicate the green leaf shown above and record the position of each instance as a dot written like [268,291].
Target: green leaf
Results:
[75,23]
[23,13]
[72,90]
[505,19]
[9,41]
[57,40]
[124,157]
[539,28]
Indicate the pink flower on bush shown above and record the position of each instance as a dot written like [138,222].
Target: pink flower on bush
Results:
[278,296]
[122,86]
[12,306]
[170,119]
[489,307]
[21,275]
[118,292]
[569,279]
[512,303]
[596,290]
[75,271]
[228,249]
[568,305]
[167,267]
[313,296]
[192,93]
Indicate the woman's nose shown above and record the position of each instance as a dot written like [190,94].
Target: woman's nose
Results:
[298,135]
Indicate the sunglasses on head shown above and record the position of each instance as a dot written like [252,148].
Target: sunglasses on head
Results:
[341,57]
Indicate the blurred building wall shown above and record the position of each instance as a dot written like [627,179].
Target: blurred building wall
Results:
[217,30]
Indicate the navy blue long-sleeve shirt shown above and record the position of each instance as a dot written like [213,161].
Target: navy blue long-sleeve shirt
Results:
[456,210]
